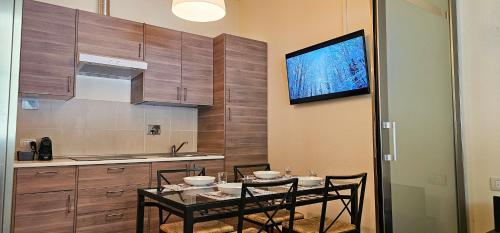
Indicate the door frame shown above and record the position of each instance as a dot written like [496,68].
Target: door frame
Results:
[10,38]
[382,168]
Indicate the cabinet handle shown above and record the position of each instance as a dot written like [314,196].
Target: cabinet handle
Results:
[185,94]
[47,173]
[114,216]
[69,83]
[68,204]
[140,48]
[229,95]
[116,169]
[114,193]
[229,113]
[178,93]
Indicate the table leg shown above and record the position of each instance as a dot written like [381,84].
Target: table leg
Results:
[140,214]
[188,222]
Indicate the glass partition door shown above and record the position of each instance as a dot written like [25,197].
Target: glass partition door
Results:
[417,121]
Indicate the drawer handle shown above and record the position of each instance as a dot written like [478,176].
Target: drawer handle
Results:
[114,216]
[114,193]
[47,173]
[116,169]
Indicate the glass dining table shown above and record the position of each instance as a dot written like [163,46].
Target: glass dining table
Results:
[200,204]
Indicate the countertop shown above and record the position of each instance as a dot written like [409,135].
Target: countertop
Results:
[69,162]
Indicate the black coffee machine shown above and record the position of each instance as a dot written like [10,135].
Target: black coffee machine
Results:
[45,150]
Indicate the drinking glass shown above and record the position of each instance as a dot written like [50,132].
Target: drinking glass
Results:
[313,173]
[247,179]
[221,177]
[288,172]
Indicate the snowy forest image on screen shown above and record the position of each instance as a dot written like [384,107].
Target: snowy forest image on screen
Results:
[335,68]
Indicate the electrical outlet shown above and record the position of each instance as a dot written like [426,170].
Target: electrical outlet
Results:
[153,130]
[25,143]
[495,183]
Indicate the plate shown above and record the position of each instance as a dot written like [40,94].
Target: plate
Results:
[199,180]
[310,180]
[266,174]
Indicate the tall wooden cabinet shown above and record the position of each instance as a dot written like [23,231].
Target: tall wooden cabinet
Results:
[179,69]
[237,123]
[47,66]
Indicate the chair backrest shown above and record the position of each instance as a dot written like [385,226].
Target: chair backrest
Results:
[166,175]
[241,170]
[352,203]
[252,201]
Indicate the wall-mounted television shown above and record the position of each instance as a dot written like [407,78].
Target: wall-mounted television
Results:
[332,69]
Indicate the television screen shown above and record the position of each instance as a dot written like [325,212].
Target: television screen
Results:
[332,69]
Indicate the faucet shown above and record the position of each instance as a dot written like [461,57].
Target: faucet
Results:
[175,149]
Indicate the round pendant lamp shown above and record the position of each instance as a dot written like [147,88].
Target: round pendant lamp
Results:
[199,10]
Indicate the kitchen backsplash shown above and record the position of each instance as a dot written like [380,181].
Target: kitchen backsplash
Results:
[95,127]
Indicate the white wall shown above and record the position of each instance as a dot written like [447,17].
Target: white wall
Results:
[479,41]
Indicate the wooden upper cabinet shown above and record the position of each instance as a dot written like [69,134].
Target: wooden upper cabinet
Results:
[197,70]
[48,37]
[109,36]
[161,82]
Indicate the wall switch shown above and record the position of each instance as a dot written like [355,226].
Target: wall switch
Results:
[495,183]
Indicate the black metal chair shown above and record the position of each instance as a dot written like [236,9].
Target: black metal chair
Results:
[168,176]
[241,170]
[268,204]
[352,203]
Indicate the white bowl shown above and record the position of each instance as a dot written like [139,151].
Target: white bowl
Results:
[199,180]
[310,180]
[266,174]
[230,188]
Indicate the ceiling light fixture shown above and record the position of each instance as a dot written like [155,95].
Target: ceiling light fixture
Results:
[199,10]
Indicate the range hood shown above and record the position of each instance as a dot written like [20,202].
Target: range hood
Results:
[109,67]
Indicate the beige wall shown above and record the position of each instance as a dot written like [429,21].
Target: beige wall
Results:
[479,39]
[331,137]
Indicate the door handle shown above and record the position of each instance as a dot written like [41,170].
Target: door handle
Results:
[229,114]
[185,93]
[178,93]
[68,203]
[394,155]
[140,48]
[229,95]
[69,84]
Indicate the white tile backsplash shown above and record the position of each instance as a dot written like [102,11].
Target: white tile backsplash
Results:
[95,127]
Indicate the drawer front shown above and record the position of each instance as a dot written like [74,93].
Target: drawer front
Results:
[122,221]
[45,179]
[113,175]
[44,212]
[102,199]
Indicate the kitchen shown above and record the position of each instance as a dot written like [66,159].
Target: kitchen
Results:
[112,96]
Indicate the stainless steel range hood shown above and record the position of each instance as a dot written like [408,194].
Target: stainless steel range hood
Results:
[109,67]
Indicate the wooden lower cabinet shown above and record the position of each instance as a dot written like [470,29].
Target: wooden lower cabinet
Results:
[113,221]
[44,212]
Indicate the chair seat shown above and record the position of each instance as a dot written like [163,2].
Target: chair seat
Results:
[279,217]
[202,227]
[250,230]
[311,225]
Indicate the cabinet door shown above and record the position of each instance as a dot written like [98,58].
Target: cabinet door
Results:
[246,101]
[109,36]
[197,70]
[162,79]
[44,212]
[47,65]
